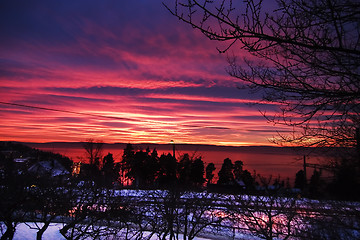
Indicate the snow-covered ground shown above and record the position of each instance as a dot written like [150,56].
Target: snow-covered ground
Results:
[226,229]
[25,232]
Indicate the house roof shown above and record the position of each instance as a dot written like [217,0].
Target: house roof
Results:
[52,168]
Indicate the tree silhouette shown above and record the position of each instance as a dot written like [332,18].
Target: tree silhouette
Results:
[190,172]
[110,170]
[167,171]
[315,184]
[248,180]
[184,170]
[150,168]
[94,149]
[238,169]
[137,170]
[300,180]
[267,216]
[226,176]
[346,184]
[127,161]
[47,201]
[307,56]
[197,173]
[210,168]
[13,195]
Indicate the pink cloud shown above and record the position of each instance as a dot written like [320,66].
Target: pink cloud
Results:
[147,82]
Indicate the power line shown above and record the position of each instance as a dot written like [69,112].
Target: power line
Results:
[79,113]
[107,117]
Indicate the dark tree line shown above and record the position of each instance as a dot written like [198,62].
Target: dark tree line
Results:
[234,175]
[89,209]
[105,172]
[148,170]
[145,169]
[343,185]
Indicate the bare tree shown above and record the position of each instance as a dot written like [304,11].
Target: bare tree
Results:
[273,214]
[94,149]
[210,168]
[267,217]
[47,202]
[331,220]
[13,196]
[307,59]
[197,214]
[86,211]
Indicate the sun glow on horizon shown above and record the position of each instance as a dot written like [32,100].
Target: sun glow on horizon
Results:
[90,78]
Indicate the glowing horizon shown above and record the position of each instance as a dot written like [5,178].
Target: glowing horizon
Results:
[153,78]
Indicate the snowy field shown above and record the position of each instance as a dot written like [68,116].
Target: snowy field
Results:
[25,232]
[244,216]
[28,232]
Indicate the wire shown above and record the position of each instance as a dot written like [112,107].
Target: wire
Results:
[80,113]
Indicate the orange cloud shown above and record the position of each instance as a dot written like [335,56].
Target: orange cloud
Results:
[119,76]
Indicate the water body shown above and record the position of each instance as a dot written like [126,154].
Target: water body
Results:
[264,160]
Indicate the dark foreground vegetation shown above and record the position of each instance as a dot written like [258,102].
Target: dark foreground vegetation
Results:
[165,198]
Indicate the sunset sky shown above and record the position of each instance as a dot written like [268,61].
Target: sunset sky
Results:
[133,71]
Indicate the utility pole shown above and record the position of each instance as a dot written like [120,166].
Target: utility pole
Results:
[357,138]
[305,181]
[173,144]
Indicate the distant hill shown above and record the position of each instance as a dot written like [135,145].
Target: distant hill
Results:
[17,149]
[187,147]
